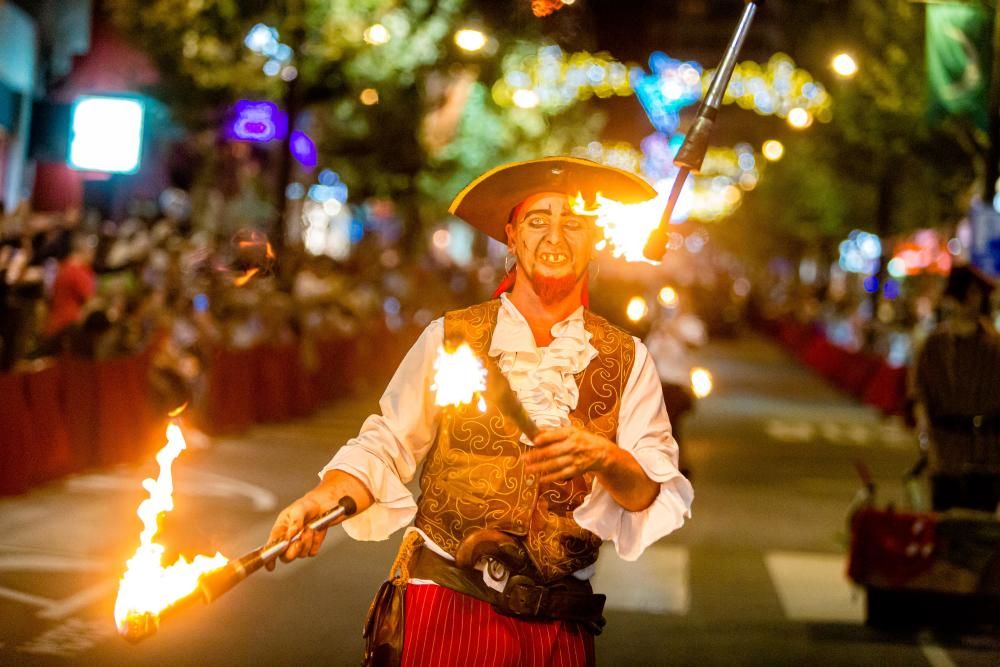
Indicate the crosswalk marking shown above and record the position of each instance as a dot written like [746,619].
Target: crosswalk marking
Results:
[814,587]
[889,433]
[656,583]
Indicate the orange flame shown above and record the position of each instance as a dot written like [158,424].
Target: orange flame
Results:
[459,377]
[178,410]
[240,281]
[626,227]
[147,586]
[269,251]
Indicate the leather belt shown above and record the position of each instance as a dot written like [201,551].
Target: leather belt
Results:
[967,424]
[567,599]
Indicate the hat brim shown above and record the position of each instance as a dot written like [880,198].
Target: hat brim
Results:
[486,203]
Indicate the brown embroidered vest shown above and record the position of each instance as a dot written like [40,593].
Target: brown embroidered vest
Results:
[474,476]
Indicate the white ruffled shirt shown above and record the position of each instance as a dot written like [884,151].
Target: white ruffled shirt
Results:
[390,447]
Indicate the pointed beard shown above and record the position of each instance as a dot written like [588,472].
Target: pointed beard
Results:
[552,290]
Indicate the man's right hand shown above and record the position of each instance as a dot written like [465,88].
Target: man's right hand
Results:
[335,485]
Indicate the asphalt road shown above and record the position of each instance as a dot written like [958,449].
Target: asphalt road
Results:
[755,578]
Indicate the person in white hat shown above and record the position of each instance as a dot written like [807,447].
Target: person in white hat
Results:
[507,531]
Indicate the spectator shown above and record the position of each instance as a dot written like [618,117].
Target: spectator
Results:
[955,383]
[74,287]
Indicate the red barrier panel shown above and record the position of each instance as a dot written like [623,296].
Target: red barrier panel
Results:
[78,400]
[887,389]
[229,404]
[124,411]
[55,454]
[854,373]
[17,444]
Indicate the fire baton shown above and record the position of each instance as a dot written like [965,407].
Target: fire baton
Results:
[499,389]
[692,151]
[212,585]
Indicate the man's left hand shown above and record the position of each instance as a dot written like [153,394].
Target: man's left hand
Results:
[563,453]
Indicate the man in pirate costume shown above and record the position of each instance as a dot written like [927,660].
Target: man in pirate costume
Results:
[506,533]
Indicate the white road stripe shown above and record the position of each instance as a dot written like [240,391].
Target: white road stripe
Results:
[814,587]
[26,598]
[60,609]
[656,583]
[935,654]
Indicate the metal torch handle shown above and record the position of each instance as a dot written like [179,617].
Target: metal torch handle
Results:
[692,152]
[345,508]
[725,72]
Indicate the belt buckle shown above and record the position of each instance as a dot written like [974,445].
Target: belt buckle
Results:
[523,597]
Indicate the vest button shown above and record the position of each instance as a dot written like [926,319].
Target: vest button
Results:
[529,480]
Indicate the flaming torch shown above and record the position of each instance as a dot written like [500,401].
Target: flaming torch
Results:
[639,232]
[147,587]
[148,592]
[460,378]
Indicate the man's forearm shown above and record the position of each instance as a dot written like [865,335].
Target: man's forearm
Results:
[627,482]
[336,484]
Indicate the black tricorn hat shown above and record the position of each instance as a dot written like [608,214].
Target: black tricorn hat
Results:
[486,203]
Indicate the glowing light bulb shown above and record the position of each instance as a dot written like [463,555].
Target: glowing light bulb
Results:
[844,65]
[773,150]
[469,39]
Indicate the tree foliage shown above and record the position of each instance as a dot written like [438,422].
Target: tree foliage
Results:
[879,165]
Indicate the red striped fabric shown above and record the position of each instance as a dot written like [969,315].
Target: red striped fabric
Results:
[445,628]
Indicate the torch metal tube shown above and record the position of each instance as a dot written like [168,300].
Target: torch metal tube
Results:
[692,152]
[345,508]
[725,71]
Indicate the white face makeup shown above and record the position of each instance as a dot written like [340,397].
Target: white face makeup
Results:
[549,240]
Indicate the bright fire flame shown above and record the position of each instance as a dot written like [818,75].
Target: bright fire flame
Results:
[701,382]
[626,227]
[147,586]
[459,377]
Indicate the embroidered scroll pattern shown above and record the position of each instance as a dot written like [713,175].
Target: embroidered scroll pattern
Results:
[474,477]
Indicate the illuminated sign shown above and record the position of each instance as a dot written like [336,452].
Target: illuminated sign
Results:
[257,121]
[106,134]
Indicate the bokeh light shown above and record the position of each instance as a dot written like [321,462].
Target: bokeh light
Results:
[844,65]
[799,118]
[369,96]
[773,150]
[637,308]
[470,40]
[377,34]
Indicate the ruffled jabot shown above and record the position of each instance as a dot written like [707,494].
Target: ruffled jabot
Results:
[542,377]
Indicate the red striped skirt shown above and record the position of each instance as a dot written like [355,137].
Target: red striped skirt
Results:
[445,628]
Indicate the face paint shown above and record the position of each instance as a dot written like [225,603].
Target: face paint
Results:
[552,244]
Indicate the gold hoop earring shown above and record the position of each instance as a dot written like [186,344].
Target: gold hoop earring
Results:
[592,275]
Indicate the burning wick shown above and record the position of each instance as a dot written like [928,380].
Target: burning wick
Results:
[147,588]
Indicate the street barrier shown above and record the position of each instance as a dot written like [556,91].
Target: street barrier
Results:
[865,376]
[78,413]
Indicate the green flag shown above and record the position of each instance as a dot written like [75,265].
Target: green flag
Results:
[958,60]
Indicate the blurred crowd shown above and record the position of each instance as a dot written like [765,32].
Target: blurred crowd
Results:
[100,290]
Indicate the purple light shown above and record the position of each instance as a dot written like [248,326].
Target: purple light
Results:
[303,149]
[257,121]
